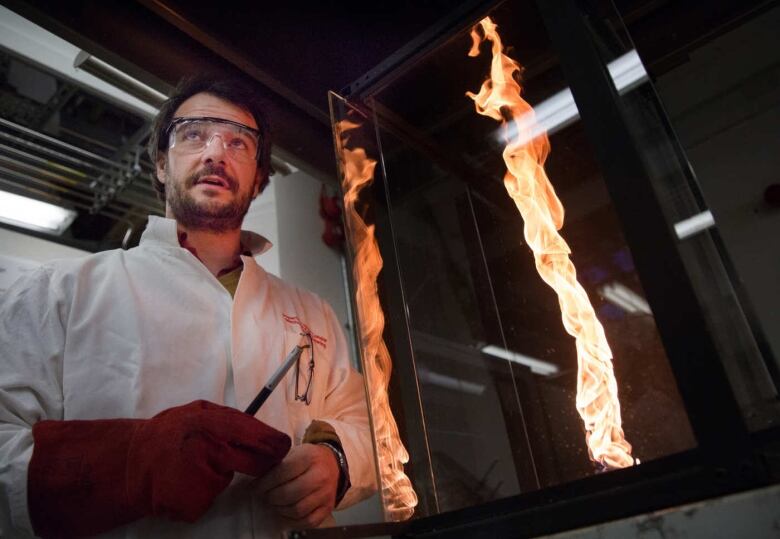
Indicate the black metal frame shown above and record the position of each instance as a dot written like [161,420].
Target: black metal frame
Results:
[728,457]
[656,485]
[692,354]
[397,63]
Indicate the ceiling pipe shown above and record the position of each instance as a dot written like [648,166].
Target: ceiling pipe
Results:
[113,76]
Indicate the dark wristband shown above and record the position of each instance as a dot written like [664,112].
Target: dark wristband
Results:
[341,458]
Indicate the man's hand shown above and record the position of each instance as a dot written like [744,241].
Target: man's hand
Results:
[90,476]
[302,488]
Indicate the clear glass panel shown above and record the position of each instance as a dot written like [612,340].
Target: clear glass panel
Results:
[495,372]
[715,175]
[396,416]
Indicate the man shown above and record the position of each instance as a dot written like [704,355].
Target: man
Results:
[123,372]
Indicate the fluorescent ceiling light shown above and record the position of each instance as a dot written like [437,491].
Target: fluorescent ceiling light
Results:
[119,79]
[559,110]
[46,50]
[627,71]
[537,366]
[449,382]
[625,298]
[693,225]
[34,214]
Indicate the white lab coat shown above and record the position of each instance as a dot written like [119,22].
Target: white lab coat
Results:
[131,333]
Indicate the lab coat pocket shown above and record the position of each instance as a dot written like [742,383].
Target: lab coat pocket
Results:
[299,379]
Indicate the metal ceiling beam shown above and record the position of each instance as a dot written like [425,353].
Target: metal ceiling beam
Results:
[148,47]
[109,185]
[177,18]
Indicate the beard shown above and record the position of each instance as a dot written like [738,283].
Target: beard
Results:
[213,216]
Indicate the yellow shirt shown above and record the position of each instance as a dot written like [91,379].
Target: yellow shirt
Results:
[230,280]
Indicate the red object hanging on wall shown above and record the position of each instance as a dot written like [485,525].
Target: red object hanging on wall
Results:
[330,210]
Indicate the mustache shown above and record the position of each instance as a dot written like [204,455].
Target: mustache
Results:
[212,170]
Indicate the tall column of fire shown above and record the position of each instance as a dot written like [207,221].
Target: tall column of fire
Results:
[398,496]
[528,185]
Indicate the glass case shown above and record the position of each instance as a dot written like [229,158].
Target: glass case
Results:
[540,286]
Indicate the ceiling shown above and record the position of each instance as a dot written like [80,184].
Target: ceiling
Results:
[294,52]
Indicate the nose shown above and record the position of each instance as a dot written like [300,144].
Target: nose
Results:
[214,150]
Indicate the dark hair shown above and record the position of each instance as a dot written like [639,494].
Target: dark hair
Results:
[230,89]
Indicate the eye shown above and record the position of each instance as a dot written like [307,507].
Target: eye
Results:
[192,133]
[238,143]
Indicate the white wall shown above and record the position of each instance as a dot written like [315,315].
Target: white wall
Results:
[287,214]
[304,258]
[725,107]
[20,253]
[262,219]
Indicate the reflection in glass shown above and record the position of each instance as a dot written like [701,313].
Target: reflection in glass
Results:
[485,373]
[357,171]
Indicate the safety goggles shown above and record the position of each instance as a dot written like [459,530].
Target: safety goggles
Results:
[193,135]
[306,395]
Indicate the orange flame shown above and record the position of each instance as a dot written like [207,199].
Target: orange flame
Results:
[398,496]
[542,212]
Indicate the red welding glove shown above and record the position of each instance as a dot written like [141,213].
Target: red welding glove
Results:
[87,477]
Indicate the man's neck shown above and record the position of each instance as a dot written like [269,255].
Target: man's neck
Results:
[218,252]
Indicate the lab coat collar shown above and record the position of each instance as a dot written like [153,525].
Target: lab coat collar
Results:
[163,230]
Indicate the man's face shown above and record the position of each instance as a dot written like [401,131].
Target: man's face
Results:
[209,190]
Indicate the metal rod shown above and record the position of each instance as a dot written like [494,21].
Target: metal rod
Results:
[86,138]
[108,73]
[26,171]
[25,168]
[51,183]
[53,153]
[46,195]
[16,152]
[56,142]
[112,212]
[276,377]
[133,193]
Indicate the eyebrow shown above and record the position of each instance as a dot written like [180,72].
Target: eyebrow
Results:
[215,119]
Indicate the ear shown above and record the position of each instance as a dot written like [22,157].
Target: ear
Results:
[161,174]
[256,190]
